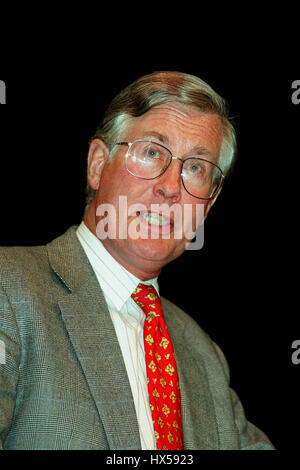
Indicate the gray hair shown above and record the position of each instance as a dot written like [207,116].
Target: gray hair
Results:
[157,88]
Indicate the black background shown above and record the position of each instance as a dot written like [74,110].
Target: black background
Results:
[244,280]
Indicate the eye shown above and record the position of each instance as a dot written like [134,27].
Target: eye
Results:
[152,153]
[194,167]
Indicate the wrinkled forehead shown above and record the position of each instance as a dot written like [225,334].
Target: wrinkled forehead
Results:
[178,125]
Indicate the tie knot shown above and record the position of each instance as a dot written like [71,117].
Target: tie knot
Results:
[148,300]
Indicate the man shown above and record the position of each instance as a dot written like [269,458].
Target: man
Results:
[94,358]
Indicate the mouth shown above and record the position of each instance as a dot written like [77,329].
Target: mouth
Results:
[154,218]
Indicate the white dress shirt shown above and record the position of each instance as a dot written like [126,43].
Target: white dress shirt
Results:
[128,318]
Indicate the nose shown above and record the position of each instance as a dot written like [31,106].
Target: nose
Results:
[168,185]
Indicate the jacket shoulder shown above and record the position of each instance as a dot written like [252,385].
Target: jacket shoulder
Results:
[21,262]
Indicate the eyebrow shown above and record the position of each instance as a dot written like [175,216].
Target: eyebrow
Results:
[198,150]
[162,138]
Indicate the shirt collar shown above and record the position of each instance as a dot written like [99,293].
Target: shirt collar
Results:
[116,282]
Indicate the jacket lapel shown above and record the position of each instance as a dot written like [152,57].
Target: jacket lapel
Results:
[92,334]
[198,416]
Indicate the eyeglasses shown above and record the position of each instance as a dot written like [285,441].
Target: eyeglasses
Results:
[149,160]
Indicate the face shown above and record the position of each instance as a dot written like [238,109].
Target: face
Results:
[183,130]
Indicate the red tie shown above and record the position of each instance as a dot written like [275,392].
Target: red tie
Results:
[163,383]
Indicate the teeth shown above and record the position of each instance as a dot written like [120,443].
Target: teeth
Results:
[154,219]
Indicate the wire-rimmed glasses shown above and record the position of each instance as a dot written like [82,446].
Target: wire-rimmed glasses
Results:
[148,160]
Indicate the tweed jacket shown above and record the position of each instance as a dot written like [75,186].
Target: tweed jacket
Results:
[63,384]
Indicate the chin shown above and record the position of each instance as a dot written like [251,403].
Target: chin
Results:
[157,250]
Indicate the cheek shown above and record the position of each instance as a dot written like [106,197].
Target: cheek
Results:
[113,182]
[193,214]
[116,182]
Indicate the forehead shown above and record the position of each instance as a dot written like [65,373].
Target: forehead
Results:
[179,125]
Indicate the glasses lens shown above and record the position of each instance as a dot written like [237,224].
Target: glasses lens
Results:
[201,178]
[146,159]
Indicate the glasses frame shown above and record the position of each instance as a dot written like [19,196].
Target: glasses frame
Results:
[172,157]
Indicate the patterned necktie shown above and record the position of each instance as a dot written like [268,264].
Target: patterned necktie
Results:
[162,377]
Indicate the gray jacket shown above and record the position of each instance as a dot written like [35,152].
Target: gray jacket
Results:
[64,383]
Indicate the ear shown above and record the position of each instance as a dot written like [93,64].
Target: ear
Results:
[97,156]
